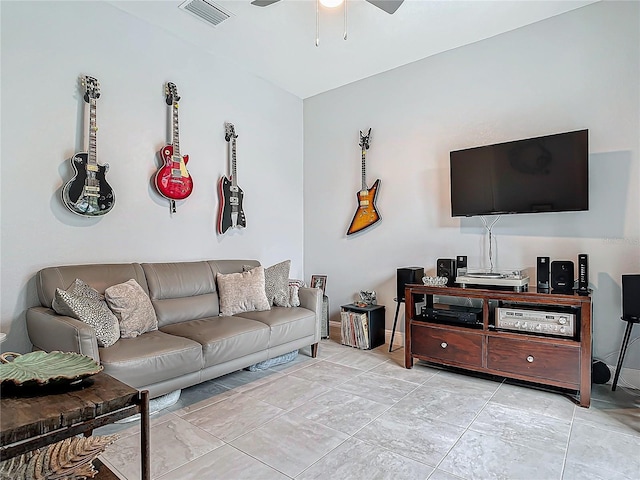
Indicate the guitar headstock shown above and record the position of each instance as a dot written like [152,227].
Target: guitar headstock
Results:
[364,140]
[171,93]
[91,88]
[229,131]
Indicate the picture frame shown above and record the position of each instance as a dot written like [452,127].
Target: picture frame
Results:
[319,281]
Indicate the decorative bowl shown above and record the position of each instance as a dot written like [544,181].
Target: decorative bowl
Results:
[435,281]
[42,368]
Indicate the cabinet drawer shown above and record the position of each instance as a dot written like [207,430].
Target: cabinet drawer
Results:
[448,346]
[560,363]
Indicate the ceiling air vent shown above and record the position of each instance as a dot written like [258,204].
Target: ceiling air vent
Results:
[205,10]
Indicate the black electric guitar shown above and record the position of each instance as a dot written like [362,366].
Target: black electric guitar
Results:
[366,214]
[88,193]
[230,213]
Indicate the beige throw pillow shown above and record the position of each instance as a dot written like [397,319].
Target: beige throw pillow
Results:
[242,292]
[84,303]
[132,306]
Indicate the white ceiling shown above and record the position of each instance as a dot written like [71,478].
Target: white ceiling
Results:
[277,42]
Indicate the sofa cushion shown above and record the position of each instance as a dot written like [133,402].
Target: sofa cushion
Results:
[151,357]
[181,291]
[286,324]
[131,304]
[242,292]
[84,303]
[223,338]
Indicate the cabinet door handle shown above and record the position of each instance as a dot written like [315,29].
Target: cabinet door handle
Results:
[444,345]
[530,359]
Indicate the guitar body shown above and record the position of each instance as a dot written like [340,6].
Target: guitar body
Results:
[173,180]
[366,215]
[230,212]
[88,193]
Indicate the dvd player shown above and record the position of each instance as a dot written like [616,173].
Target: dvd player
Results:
[452,313]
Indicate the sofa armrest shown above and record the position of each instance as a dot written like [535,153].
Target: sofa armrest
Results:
[311,298]
[49,331]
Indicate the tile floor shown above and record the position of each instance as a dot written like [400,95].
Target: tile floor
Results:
[352,414]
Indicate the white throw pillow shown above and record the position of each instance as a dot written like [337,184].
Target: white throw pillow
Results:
[242,292]
[132,306]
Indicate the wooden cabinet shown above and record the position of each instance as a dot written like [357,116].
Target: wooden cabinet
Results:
[553,360]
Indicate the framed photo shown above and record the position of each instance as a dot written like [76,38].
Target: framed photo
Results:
[319,281]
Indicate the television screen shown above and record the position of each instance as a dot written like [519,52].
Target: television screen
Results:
[543,174]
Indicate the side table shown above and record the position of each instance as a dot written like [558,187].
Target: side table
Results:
[33,421]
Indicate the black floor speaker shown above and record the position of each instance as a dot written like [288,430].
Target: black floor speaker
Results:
[408,275]
[446,267]
[562,276]
[542,273]
[631,296]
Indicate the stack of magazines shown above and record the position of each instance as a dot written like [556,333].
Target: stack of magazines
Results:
[354,330]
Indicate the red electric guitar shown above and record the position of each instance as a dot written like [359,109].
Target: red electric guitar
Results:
[173,180]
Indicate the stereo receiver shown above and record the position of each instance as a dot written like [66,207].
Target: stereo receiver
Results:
[533,321]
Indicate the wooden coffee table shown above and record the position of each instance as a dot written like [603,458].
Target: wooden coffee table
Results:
[31,419]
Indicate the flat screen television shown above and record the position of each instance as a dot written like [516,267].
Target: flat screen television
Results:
[542,174]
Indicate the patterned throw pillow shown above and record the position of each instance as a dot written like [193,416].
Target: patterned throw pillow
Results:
[132,306]
[294,287]
[84,303]
[276,284]
[242,292]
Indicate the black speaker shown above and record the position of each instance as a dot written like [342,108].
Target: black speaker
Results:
[461,265]
[600,373]
[408,275]
[562,276]
[631,296]
[446,267]
[583,274]
[542,273]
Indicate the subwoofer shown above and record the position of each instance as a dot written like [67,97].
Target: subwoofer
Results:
[562,276]
[408,275]
[446,267]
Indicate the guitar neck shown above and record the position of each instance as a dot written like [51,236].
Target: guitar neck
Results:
[234,180]
[175,140]
[92,161]
[364,181]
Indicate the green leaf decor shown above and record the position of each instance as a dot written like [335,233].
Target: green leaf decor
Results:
[42,368]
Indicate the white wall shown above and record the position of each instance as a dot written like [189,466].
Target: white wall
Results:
[578,70]
[45,47]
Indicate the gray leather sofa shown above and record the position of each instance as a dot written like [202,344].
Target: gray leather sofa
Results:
[193,343]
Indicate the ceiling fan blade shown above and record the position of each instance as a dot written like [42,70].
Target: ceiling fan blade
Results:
[263,3]
[389,6]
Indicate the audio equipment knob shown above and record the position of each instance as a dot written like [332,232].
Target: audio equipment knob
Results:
[562,320]
[538,327]
[517,324]
[530,359]
[562,329]
[444,345]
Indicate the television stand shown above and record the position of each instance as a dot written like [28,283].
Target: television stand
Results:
[552,360]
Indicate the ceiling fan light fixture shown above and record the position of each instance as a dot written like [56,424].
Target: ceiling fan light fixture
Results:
[331,3]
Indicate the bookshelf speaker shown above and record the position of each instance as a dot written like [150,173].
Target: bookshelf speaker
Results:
[562,276]
[446,267]
[408,275]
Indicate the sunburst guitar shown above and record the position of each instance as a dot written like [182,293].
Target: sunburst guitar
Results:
[366,214]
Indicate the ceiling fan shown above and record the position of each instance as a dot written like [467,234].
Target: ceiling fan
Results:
[389,6]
